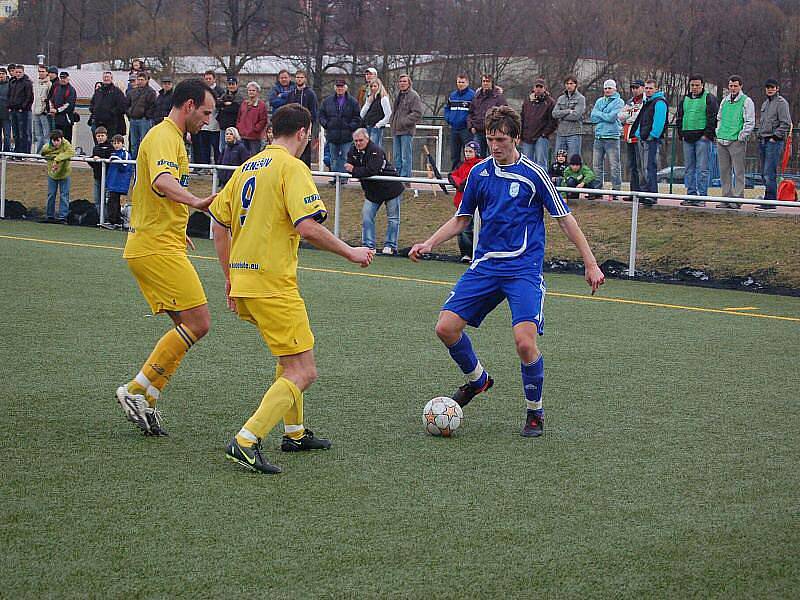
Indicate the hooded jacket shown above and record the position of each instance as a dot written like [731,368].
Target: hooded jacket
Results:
[480,105]
[651,123]
[20,94]
[775,119]
[537,118]
[605,115]
[60,157]
[118,175]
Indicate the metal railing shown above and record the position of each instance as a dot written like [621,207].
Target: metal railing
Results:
[339,177]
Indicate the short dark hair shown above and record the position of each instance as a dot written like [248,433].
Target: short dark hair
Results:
[462,76]
[190,89]
[56,134]
[737,78]
[210,72]
[289,119]
[118,137]
[697,77]
[503,119]
[281,72]
[142,75]
[571,78]
[487,76]
[101,129]
[299,72]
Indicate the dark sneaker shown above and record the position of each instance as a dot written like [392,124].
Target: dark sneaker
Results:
[307,442]
[765,207]
[250,458]
[534,426]
[154,422]
[467,392]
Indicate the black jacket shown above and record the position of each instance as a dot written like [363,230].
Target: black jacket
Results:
[108,109]
[232,155]
[644,120]
[372,161]
[340,124]
[62,99]
[104,150]
[163,105]
[20,94]
[228,113]
[712,106]
[305,97]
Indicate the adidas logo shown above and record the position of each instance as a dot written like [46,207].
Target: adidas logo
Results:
[484,173]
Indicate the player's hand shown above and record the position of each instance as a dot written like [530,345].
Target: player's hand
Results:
[189,243]
[595,278]
[362,256]
[231,302]
[204,203]
[417,250]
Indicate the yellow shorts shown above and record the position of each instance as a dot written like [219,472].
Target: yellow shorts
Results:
[281,320]
[168,282]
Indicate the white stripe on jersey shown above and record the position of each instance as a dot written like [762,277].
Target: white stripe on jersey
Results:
[557,200]
[511,254]
[509,175]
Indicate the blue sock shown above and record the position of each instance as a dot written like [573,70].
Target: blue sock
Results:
[467,361]
[532,381]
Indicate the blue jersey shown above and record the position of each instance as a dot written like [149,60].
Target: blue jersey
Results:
[510,200]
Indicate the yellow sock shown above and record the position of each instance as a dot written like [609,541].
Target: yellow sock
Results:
[278,399]
[293,419]
[162,363]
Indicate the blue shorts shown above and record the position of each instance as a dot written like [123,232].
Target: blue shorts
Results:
[477,294]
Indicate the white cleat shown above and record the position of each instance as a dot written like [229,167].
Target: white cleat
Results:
[135,407]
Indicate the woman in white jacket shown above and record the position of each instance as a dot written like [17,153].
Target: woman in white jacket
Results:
[376,112]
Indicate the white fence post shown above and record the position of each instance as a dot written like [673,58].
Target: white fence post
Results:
[338,206]
[102,215]
[3,167]
[634,228]
[214,186]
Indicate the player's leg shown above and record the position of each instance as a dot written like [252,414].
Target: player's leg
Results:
[471,300]
[526,300]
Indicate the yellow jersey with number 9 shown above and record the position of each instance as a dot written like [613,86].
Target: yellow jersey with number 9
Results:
[261,204]
[158,224]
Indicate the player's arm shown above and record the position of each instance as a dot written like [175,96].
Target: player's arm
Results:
[169,187]
[323,239]
[222,244]
[594,276]
[450,229]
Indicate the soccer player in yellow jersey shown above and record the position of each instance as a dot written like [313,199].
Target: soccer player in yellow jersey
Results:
[268,204]
[156,249]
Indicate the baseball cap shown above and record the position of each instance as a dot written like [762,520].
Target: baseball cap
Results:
[372,70]
[637,83]
[340,82]
[63,74]
[539,81]
[233,80]
[771,83]
[166,79]
[132,77]
[52,70]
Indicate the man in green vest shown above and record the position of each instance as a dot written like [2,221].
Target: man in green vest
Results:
[697,120]
[735,122]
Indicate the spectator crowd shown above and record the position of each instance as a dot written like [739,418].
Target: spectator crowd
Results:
[39,116]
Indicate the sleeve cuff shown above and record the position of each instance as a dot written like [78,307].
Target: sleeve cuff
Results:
[318,216]
[217,221]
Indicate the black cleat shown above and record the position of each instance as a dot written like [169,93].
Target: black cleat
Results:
[154,422]
[250,458]
[307,442]
[467,392]
[534,426]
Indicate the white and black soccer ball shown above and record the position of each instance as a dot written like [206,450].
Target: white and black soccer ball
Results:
[442,416]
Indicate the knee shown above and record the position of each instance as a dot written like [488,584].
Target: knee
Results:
[526,348]
[302,377]
[201,328]
[447,333]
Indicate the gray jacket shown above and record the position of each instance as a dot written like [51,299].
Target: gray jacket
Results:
[568,111]
[775,119]
[406,113]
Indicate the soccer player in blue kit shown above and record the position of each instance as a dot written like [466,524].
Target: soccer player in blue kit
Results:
[509,193]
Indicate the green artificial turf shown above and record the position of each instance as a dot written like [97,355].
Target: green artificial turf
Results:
[669,466]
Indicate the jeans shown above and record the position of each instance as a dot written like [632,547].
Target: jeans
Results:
[401,149]
[376,135]
[465,239]
[21,128]
[368,213]
[339,155]
[481,139]
[570,143]
[139,127]
[54,185]
[253,147]
[537,151]
[204,144]
[635,165]
[695,156]
[5,135]
[97,198]
[41,131]
[601,149]
[650,150]
[771,153]
[458,138]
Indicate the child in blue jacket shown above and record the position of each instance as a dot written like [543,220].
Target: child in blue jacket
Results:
[118,180]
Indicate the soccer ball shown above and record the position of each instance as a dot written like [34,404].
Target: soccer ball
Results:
[442,416]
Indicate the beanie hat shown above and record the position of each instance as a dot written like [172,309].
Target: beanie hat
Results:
[610,83]
[476,147]
[575,159]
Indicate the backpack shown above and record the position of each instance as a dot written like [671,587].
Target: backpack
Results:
[15,210]
[199,224]
[82,212]
[787,190]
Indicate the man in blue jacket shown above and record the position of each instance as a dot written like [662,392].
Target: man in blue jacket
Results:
[456,112]
[606,133]
[650,127]
[340,116]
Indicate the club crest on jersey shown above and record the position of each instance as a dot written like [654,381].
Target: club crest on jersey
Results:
[185,180]
[513,191]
